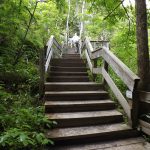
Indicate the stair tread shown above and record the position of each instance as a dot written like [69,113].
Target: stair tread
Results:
[69,76]
[67,72]
[63,102]
[86,130]
[76,92]
[113,144]
[67,67]
[87,114]
[72,83]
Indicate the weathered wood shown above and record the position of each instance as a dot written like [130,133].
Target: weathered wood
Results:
[145,127]
[144,107]
[97,70]
[88,60]
[135,108]
[127,76]
[95,66]
[117,93]
[105,65]
[144,96]
[57,44]
[48,60]
[89,46]
[49,45]
[97,53]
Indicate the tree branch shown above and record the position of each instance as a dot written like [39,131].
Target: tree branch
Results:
[113,10]
[129,19]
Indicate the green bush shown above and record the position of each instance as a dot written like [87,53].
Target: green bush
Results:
[22,124]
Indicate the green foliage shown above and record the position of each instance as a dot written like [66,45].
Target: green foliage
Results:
[22,123]
[22,119]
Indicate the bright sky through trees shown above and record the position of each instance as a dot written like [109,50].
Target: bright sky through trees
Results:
[128,2]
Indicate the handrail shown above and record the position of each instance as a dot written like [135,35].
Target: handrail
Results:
[50,50]
[46,55]
[126,75]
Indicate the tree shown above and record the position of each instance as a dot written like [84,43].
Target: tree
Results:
[142,44]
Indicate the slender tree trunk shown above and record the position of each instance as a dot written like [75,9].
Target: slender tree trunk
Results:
[82,22]
[77,8]
[67,24]
[142,44]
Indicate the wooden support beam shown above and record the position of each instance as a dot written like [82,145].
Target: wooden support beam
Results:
[89,61]
[144,96]
[127,76]
[117,93]
[145,126]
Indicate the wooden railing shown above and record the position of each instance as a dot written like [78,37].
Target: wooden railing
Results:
[52,50]
[123,72]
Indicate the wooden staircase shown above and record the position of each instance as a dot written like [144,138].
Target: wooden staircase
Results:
[86,116]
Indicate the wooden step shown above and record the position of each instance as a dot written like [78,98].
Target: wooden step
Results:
[76,95]
[74,119]
[73,86]
[71,55]
[137,143]
[68,79]
[73,106]
[67,60]
[55,73]
[69,64]
[68,69]
[91,133]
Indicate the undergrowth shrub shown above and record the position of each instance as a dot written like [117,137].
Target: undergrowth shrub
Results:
[22,122]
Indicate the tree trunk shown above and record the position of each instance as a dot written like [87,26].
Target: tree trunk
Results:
[142,44]
[67,24]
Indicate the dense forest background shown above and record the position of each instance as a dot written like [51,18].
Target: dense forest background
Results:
[25,27]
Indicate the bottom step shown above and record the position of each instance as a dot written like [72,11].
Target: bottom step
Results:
[123,144]
[91,133]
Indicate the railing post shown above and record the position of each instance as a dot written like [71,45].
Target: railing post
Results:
[135,108]
[42,71]
[95,66]
[105,44]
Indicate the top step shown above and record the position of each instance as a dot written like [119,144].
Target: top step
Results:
[76,55]
[73,56]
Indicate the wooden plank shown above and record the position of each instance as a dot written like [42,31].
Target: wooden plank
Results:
[145,126]
[144,96]
[127,76]
[49,45]
[57,44]
[144,107]
[95,66]
[97,53]
[117,93]
[89,61]
[97,70]
[89,46]
[48,60]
